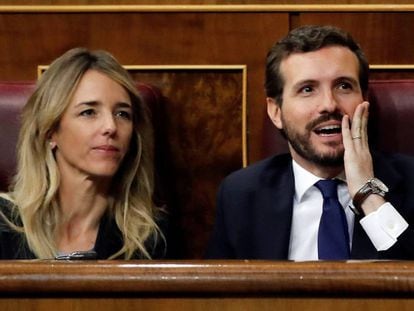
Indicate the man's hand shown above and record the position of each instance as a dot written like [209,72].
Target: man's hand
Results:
[357,157]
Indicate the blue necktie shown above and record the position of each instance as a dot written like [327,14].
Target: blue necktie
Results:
[333,237]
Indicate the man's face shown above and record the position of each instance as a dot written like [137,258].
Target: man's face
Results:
[320,87]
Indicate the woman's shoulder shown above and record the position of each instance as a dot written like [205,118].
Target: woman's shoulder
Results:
[5,203]
[5,206]
[6,213]
[12,243]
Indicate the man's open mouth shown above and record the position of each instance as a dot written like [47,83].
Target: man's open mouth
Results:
[328,130]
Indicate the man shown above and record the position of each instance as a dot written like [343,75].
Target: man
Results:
[316,82]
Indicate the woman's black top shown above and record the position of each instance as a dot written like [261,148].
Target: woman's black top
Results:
[13,245]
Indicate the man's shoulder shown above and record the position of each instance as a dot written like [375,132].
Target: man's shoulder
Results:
[394,169]
[262,171]
[394,160]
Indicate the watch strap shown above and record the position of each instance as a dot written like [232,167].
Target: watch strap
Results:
[370,187]
[360,197]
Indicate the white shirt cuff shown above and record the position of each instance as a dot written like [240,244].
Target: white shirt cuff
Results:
[384,226]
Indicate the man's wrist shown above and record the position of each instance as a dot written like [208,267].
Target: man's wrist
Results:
[372,203]
[370,191]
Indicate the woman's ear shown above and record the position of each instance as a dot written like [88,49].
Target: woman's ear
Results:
[52,144]
[52,140]
[274,112]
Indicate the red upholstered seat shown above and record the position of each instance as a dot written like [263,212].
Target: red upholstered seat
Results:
[13,96]
[392,115]
[391,119]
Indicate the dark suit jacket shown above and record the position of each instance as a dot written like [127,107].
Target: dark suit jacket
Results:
[254,211]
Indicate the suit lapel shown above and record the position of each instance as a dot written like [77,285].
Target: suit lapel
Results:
[276,210]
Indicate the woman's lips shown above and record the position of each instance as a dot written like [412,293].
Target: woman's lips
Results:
[106,148]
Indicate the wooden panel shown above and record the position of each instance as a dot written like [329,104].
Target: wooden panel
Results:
[249,278]
[196,38]
[397,73]
[174,38]
[200,158]
[385,37]
[192,2]
[206,285]
[207,303]
[201,125]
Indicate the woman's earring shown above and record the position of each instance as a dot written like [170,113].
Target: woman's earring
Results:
[52,145]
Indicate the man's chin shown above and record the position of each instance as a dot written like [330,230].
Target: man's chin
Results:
[331,159]
[331,155]
[330,162]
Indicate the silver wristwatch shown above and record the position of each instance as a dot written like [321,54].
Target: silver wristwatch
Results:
[372,186]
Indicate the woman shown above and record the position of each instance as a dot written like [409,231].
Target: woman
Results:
[84,177]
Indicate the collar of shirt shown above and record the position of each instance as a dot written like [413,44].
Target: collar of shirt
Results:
[304,180]
[307,210]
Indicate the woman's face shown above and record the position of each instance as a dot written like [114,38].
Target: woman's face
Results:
[95,130]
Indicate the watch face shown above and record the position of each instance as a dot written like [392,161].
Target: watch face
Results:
[379,184]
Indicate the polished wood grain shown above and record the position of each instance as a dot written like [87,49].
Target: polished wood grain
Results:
[208,303]
[203,120]
[206,285]
[248,278]
[323,3]
[239,36]
[201,143]
[30,39]
[386,38]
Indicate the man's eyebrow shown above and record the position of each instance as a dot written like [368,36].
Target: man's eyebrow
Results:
[301,83]
[346,78]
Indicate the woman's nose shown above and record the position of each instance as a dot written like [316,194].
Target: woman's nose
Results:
[109,125]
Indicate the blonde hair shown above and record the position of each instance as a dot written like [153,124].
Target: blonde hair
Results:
[36,183]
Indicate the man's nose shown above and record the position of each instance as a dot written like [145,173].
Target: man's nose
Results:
[329,102]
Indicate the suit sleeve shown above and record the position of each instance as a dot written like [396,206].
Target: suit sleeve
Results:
[397,171]
[219,246]
[406,243]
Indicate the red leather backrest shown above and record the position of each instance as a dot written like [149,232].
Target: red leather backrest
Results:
[13,96]
[392,115]
[390,124]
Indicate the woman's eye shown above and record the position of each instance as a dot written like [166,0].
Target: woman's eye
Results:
[87,112]
[124,114]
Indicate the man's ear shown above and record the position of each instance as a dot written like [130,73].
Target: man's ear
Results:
[274,112]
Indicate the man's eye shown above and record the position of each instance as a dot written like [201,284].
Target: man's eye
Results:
[345,86]
[87,112]
[306,89]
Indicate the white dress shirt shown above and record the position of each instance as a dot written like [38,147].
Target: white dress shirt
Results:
[382,226]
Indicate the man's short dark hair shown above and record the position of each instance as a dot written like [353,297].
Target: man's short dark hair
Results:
[307,39]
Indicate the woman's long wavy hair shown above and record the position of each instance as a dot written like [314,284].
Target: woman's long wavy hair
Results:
[35,186]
